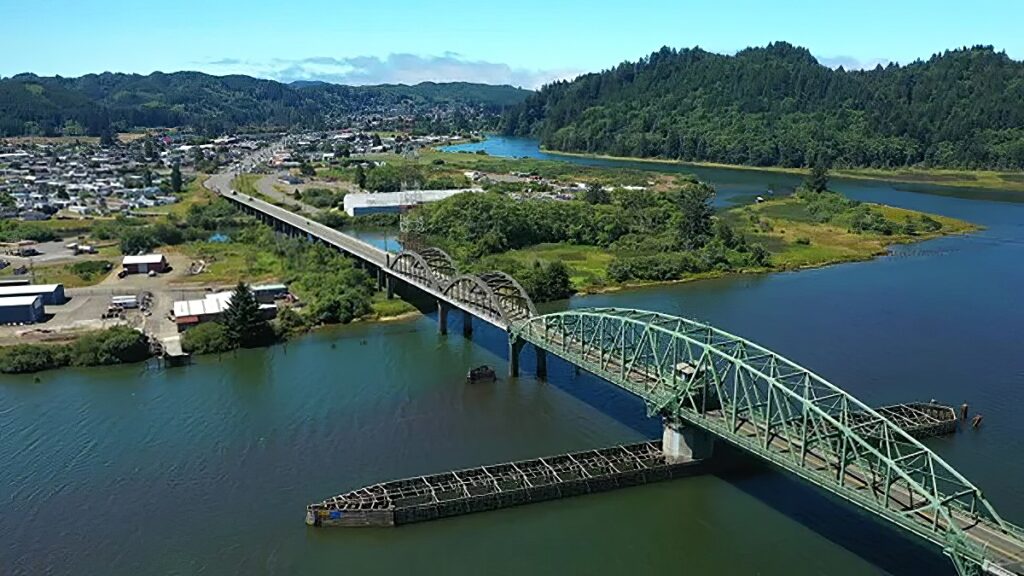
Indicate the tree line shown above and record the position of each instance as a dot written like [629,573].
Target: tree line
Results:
[777,106]
[101,104]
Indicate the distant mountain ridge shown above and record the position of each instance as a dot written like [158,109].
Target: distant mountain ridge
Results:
[211,104]
[778,106]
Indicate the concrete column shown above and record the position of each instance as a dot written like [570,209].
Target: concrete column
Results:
[467,324]
[390,285]
[515,346]
[542,362]
[442,318]
[683,443]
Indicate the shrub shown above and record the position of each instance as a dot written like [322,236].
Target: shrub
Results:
[25,358]
[208,338]
[116,345]
[88,269]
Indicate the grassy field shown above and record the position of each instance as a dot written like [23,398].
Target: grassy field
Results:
[550,169]
[587,264]
[231,262]
[193,193]
[86,272]
[246,184]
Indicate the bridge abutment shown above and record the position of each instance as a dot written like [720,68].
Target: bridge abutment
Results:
[680,443]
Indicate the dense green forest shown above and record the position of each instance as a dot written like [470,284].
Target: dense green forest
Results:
[777,106]
[34,105]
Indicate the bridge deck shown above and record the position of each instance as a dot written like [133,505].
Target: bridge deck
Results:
[221,183]
[1004,550]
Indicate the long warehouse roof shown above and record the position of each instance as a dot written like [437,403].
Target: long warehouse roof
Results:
[19,301]
[25,290]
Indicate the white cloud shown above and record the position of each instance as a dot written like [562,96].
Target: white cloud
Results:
[851,63]
[394,69]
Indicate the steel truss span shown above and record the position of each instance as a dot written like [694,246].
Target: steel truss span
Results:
[495,295]
[694,374]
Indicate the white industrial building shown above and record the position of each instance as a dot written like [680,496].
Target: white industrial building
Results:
[385,202]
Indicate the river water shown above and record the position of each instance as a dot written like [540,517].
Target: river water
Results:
[207,469]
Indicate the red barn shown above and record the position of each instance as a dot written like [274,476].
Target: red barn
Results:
[144,264]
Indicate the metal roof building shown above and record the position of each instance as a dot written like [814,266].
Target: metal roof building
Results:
[22,310]
[53,294]
[382,202]
[144,263]
[191,312]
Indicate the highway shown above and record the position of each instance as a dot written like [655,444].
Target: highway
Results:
[221,184]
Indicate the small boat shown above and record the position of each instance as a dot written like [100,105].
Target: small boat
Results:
[481,374]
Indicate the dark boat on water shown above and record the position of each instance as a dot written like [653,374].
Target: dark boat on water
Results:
[481,374]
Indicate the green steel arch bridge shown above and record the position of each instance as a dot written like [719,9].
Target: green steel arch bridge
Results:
[709,384]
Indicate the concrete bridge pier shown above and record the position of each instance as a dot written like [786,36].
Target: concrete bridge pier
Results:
[682,443]
[515,346]
[442,318]
[542,363]
[467,323]
[389,284]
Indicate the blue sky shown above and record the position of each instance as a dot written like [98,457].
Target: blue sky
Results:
[522,42]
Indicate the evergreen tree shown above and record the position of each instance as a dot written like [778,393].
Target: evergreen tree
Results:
[147,178]
[596,194]
[107,136]
[360,177]
[695,212]
[148,149]
[176,178]
[817,180]
[245,326]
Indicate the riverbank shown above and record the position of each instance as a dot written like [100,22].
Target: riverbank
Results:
[981,179]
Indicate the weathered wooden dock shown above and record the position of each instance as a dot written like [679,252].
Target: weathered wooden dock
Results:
[922,419]
[540,479]
[500,486]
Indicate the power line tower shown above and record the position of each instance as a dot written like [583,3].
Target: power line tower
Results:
[410,224]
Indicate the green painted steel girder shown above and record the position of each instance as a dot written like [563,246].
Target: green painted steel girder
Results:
[763,403]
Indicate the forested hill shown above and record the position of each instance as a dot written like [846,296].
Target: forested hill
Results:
[32,104]
[777,106]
